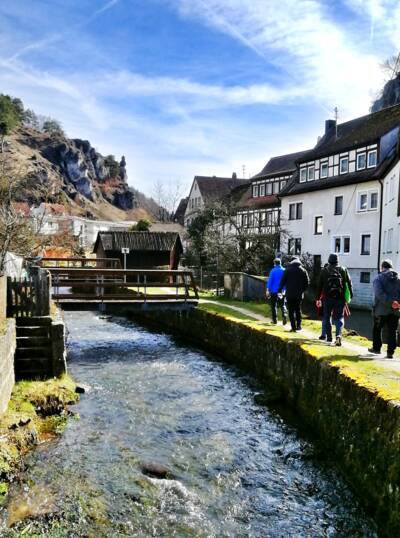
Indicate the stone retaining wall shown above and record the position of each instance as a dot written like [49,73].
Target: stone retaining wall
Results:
[360,430]
[7,350]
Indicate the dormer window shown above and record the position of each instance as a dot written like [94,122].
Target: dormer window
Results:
[310,173]
[344,165]
[361,161]
[324,170]
[372,158]
[303,175]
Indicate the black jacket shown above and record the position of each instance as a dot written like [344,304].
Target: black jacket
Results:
[324,276]
[295,280]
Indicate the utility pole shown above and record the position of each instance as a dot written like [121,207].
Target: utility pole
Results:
[244,171]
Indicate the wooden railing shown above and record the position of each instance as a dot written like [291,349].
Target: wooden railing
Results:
[30,296]
[117,285]
[106,263]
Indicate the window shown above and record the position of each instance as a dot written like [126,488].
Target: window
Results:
[361,161]
[318,225]
[341,244]
[324,170]
[373,203]
[255,191]
[365,277]
[269,188]
[250,219]
[275,187]
[344,165]
[296,211]
[262,189]
[363,202]
[391,189]
[338,205]
[310,173]
[303,175]
[366,244]
[294,246]
[282,185]
[244,220]
[389,244]
[372,158]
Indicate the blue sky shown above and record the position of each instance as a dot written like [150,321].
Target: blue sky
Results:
[185,87]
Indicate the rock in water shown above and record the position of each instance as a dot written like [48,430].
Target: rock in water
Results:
[156,470]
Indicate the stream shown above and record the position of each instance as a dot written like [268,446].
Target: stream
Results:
[235,468]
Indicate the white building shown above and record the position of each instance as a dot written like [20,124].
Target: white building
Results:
[334,202]
[52,219]
[259,205]
[205,190]
[390,245]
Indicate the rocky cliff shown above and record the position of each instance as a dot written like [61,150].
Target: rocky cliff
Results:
[72,172]
[390,95]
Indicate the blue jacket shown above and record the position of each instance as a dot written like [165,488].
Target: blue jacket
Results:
[386,290]
[274,279]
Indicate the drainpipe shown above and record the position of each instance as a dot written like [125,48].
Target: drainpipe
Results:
[380,225]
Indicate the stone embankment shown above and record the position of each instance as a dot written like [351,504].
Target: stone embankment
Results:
[349,403]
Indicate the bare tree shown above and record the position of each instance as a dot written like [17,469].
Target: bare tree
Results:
[18,232]
[391,66]
[218,237]
[167,198]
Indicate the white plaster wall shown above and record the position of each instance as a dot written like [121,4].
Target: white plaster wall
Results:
[351,223]
[194,195]
[389,216]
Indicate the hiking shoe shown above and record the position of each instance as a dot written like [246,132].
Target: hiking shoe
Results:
[329,339]
[338,341]
[322,337]
[274,323]
[374,351]
[298,328]
[292,330]
[389,356]
[284,321]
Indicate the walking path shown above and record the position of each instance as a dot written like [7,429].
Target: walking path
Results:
[361,351]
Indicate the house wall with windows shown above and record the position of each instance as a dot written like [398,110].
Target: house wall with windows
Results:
[390,247]
[344,220]
[195,204]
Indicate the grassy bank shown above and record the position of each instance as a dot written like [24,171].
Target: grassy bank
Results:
[37,412]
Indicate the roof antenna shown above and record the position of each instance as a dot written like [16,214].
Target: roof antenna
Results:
[336,111]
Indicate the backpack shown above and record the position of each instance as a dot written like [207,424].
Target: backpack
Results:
[335,283]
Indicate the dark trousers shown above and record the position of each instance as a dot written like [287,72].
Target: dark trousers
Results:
[275,304]
[294,309]
[391,321]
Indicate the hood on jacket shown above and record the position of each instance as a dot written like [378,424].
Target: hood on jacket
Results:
[390,274]
[295,261]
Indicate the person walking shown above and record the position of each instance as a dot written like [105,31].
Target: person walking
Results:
[386,308]
[277,300]
[295,280]
[334,285]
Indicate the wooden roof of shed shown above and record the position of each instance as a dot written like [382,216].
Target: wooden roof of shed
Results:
[138,241]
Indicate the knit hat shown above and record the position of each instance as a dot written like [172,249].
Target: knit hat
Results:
[333,259]
[277,261]
[387,264]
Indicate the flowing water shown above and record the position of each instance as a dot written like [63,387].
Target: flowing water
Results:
[237,470]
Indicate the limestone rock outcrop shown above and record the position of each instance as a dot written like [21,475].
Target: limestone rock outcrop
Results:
[390,95]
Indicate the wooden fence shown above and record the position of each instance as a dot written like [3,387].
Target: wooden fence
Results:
[30,296]
[106,263]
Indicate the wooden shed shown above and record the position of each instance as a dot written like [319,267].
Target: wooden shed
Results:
[147,250]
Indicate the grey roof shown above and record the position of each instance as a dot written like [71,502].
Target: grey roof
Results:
[213,188]
[180,211]
[358,132]
[138,241]
[282,164]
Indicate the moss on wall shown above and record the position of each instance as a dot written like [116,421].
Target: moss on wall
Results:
[353,417]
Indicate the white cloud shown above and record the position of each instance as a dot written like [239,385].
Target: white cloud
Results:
[313,51]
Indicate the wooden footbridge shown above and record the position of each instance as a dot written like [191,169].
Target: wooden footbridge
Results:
[88,281]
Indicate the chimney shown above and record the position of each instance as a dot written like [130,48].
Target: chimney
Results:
[330,127]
